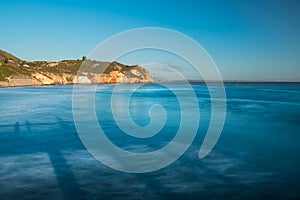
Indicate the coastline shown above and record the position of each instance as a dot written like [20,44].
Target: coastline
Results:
[50,85]
[168,81]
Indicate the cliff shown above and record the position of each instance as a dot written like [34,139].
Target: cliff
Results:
[16,72]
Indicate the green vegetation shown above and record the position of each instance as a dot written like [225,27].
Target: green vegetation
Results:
[10,70]
[7,56]
[10,66]
[5,72]
[24,69]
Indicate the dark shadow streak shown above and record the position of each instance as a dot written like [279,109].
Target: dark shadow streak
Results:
[17,128]
[28,125]
[65,177]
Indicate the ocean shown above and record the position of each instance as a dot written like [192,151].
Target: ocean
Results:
[256,156]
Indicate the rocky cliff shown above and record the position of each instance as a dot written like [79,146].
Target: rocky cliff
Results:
[15,72]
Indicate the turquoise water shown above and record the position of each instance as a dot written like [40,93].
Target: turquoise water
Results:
[256,157]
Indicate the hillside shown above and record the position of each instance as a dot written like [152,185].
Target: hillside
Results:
[16,72]
[7,56]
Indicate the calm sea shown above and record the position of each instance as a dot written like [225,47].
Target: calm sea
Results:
[256,157]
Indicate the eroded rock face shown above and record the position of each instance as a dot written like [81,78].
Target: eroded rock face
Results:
[4,84]
[105,74]
[134,75]
[115,73]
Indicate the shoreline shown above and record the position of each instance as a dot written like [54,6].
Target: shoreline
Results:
[193,81]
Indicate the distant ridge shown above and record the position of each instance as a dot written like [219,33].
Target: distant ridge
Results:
[5,55]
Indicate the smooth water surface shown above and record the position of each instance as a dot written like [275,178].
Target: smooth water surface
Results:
[256,157]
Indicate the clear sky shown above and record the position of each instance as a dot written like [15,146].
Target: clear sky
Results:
[248,39]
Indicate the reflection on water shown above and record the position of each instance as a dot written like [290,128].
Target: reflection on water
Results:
[42,157]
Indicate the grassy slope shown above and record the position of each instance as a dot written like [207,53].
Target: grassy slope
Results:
[4,55]
[11,66]
[24,69]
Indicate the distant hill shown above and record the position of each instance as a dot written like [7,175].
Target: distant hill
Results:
[5,55]
[17,72]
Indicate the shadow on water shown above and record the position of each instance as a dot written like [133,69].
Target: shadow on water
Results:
[17,128]
[26,143]
[28,125]
[65,177]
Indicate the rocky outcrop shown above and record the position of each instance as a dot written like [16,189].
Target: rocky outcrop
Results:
[53,79]
[22,73]
[136,74]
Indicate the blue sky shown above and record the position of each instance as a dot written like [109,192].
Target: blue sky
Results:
[248,40]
